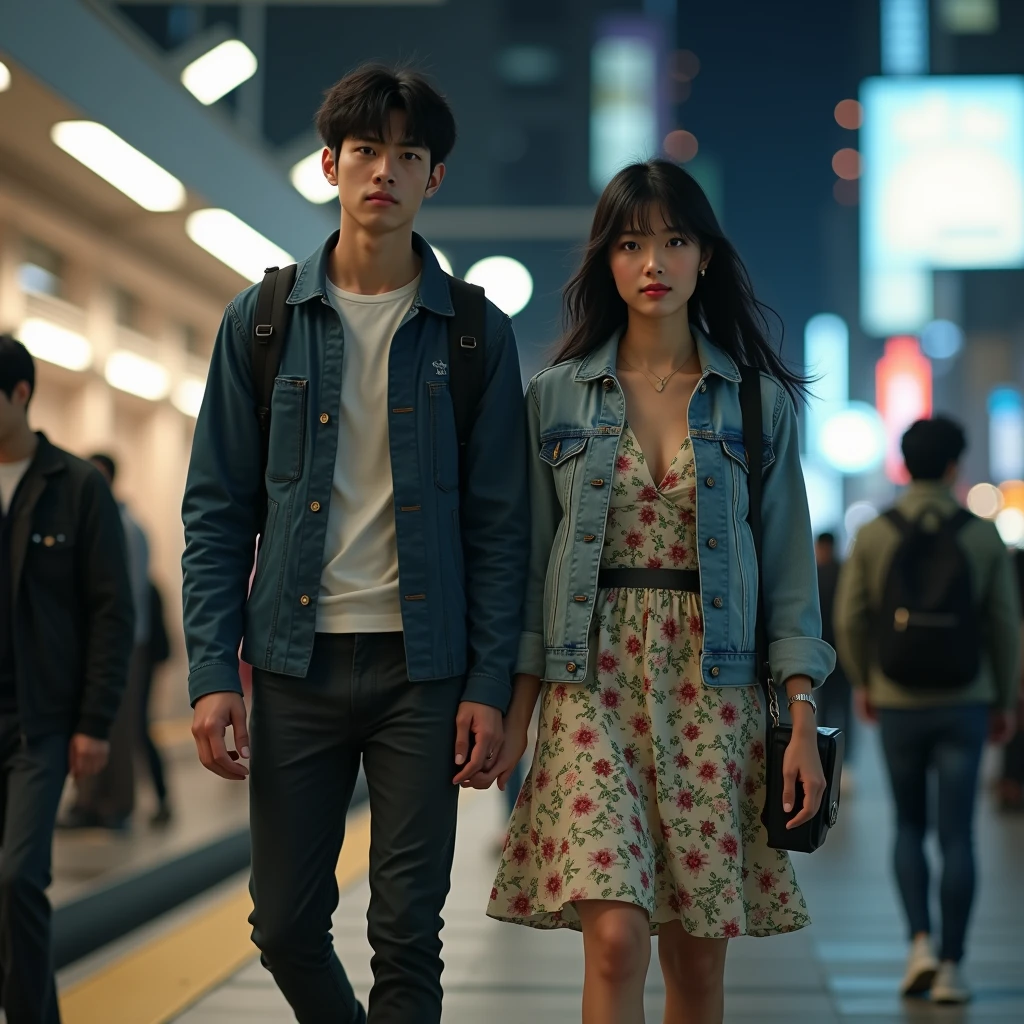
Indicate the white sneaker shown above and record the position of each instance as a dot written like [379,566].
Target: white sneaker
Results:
[922,966]
[948,987]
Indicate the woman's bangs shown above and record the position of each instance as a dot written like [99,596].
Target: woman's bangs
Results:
[635,213]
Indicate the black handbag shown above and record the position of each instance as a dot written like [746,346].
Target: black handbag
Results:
[831,742]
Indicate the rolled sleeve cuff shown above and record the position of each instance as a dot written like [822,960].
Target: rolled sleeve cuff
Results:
[801,656]
[530,660]
[216,677]
[92,725]
[481,689]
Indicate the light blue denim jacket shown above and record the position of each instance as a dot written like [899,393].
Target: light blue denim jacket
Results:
[575,415]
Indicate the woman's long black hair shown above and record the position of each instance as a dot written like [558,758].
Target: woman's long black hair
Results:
[723,304]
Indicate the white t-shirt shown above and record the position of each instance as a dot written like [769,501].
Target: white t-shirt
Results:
[10,476]
[359,583]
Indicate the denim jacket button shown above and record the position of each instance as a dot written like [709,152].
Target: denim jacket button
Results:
[715,672]
[581,598]
[712,543]
[304,600]
[718,602]
[571,666]
[325,418]
[314,506]
[589,538]
[703,387]
[597,483]
[608,383]
[710,482]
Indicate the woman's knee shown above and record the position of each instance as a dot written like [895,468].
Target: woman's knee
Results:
[618,943]
[695,964]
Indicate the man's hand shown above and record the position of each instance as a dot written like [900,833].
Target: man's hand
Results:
[513,746]
[866,711]
[479,726]
[213,714]
[1002,726]
[87,755]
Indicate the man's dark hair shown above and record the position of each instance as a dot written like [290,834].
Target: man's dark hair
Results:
[930,447]
[360,106]
[16,365]
[827,538]
[107,462]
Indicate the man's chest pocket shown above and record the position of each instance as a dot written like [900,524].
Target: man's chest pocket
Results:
[287,429]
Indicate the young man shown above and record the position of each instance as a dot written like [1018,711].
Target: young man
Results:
[835,703]
[66,630]
[937,720]
[107,800]
[384,615]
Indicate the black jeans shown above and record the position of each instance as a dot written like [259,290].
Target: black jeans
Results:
[949,742]
[31,779]
[307,737]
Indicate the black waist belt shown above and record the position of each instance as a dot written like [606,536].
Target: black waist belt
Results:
[687,580]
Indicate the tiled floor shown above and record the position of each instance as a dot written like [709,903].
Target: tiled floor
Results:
[845,968]
[206,808]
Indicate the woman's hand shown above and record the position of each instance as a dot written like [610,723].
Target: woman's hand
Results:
[512,749]
[802,761]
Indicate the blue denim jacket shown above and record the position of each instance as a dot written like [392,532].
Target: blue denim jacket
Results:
[461,569]
[575,415]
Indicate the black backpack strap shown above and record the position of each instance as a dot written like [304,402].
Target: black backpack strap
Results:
[270,328]
[466,361]
[960,519]
[900,521]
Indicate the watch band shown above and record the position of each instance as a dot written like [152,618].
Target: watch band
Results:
[804,698]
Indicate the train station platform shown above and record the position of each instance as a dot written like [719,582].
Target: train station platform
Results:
[196,966]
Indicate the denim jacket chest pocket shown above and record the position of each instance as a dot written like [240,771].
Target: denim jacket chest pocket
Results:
[287,429]
[565,455]
[736,460]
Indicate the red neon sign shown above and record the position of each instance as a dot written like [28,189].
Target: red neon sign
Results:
[903,395]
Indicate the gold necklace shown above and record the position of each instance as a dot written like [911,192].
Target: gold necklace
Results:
[661,381]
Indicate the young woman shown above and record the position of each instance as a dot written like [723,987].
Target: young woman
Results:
[641,812]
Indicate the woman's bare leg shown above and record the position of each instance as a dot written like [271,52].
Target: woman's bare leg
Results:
[694,971]
[617,952]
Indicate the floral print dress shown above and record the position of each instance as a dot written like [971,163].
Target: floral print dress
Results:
[646,785]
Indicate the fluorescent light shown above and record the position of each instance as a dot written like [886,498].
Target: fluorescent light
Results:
[137,375]
[233,242]
[219,70]
[55,344]
[506,281]
[5,77]
[187,397]
[308,178]
[123,166]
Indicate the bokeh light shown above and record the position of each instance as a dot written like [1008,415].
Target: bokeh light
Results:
[857,515]
[985,500]
[942,339]
[506,281]
[846,193]
[1010,524]
[846,164]
[685,65]
[849,114]
[681,146]
[853,439]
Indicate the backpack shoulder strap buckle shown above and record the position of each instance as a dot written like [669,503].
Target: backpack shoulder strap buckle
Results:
[467,341]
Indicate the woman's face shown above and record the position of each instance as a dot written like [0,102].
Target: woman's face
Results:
[656,274]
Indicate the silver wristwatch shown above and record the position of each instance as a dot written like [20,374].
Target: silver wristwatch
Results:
[806,698]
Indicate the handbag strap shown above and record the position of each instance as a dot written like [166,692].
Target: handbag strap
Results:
[750,408]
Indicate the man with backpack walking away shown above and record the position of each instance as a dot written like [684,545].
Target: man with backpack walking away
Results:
[363,416]
[928,629]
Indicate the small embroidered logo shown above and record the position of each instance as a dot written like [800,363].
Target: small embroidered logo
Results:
[440,367]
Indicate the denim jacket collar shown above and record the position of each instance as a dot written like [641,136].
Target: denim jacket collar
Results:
[601,362]
[434,293]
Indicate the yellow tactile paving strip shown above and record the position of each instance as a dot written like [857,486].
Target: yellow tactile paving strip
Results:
[161,979]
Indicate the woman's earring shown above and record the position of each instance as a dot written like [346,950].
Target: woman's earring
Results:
[703,271]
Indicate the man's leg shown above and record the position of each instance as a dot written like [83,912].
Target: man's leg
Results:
[905,743]
[409,759]
[34,773]
[305,760]
[958,753]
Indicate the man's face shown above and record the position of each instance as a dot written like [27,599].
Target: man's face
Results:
[382,183]
[13,409]
[824,552]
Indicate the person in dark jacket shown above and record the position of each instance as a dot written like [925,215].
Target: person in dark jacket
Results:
[66,628]
[836,702]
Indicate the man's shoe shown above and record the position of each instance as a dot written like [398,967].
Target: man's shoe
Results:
[948,987]
[922,966]
[163,816]
[79,817]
